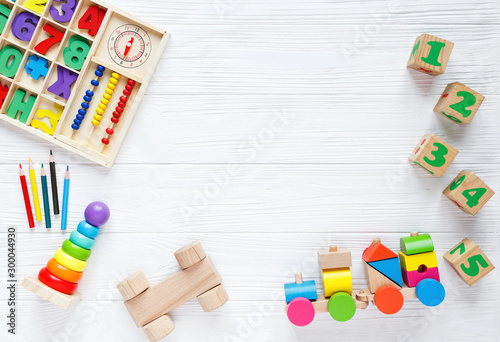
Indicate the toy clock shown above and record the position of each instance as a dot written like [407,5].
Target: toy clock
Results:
[74,72]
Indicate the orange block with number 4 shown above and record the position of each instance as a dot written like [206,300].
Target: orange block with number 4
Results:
[468,192]
[469,261]
[433,154]
[459,103]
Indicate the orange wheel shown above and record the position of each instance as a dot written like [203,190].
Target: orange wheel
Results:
[388,299]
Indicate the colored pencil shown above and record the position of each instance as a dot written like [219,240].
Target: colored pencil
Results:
[34,191]
[45,193]
[53,181]
[26,196]
[64,218]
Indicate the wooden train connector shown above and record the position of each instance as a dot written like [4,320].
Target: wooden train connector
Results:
[51,50]
[58,281]
[430,55]
[469,261]
[303,302]
[468,192]
[149,306]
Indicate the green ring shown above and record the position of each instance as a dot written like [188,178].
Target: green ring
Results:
[75,251]
[341,306]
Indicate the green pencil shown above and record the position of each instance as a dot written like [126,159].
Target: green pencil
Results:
[45,193]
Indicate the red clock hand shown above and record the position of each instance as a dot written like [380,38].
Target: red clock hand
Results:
[128,46]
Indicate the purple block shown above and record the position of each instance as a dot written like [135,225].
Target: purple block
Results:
[24,26]
[65,78]
[412,278]
[67,9]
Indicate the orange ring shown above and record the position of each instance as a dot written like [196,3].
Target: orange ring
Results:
[62,272]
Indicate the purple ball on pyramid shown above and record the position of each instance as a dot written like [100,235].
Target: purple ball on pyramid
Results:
[97,213]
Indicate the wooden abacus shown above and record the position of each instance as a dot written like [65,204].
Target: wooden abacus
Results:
[55,54]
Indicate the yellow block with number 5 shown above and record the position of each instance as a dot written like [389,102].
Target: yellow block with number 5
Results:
[337,280]
[413,262]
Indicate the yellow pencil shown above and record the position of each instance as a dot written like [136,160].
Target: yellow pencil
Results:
[34,190]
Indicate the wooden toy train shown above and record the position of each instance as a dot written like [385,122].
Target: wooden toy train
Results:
[391,281]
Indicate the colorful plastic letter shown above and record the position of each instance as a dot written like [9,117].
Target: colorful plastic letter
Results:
[19,105]
[65,78]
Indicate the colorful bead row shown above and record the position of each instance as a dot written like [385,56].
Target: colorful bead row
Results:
[87,98]
[110,88]
[119,110]
[64,271]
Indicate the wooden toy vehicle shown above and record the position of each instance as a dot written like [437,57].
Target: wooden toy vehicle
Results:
[416,267]
[149,306]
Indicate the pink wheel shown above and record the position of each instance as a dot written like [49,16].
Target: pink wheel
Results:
[388,299]
[300,311]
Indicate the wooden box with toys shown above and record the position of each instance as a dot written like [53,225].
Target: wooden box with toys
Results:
[74,72]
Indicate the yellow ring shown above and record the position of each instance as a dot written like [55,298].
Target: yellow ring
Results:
[69,262]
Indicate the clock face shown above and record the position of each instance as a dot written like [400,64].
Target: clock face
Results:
[129,46]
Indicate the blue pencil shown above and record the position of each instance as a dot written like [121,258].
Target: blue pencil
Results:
[64,218]
[45,193]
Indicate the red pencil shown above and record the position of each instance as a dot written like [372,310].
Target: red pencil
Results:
[26,195]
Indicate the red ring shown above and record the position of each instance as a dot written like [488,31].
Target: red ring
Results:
[56,283]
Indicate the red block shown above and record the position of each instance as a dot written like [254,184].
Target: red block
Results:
[378,251]
[412,278]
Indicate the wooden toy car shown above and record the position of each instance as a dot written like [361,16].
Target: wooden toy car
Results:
[149,306]
[391,281]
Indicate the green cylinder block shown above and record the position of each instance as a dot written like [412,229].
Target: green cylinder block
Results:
[421,243]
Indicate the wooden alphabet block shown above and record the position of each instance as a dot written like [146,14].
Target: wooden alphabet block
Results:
[459,103]
[468,192]
[149,306]
[334,258]
[469,261]
[434,155]
[430,55]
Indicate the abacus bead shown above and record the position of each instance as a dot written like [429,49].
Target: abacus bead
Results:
[103,100]
[87,98]
[98,73]
[111,86]
[115,75]
[113,80]
[106,96]
[95,122]
[77,122]
[105,141]
[99,111]
[101,68]
[121,104]
[89,93]
[95,83]
[131,82]
[85,105]
[129,88]
[80,117]
[123,99]
[116,114]
[102,106]
[115,120]
[126,92]
[98,117]
[109,131]
[109,91]
[75,127]
[82,111]
[119,109]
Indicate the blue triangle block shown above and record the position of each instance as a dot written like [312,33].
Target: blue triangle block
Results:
[389,268]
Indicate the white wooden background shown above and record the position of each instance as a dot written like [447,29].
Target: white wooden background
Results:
[271,129]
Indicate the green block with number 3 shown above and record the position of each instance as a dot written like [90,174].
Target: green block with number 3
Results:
[433,154]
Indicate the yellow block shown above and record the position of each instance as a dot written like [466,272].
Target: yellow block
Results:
[337,280]
[69,262]
[413,262]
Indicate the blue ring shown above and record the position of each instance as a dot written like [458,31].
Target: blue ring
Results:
[81,240]
[87,229]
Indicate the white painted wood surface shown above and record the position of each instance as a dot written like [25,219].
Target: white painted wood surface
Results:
[309,106]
